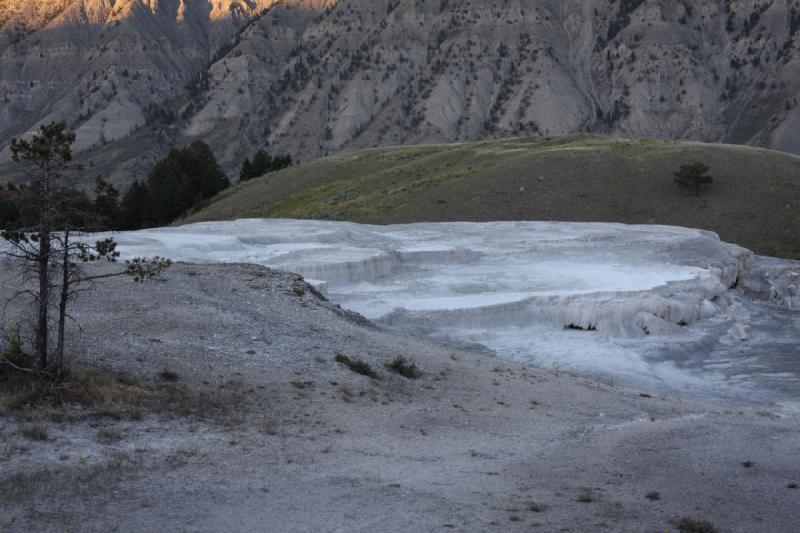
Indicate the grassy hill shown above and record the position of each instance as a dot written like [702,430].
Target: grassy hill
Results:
[755,201]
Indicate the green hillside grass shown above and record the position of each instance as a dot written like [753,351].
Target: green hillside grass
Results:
[755,201]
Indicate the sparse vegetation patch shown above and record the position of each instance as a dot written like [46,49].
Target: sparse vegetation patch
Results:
[691,525]
[535,507]
[399,365]
[35,432]
[357,365]
[13,354]
[100,393]
[586,495]
[168,375]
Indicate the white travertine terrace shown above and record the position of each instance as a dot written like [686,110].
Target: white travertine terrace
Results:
[600,298]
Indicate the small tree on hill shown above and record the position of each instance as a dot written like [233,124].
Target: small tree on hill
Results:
[262,163]
[247,172]
[693,177]
[46,241]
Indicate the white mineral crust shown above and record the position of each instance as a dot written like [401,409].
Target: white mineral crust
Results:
[601,298]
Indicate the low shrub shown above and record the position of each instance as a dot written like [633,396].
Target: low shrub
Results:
[35,432]
[168,375]
[586,495]
[407,369]
[691,525]
[13,352]
[357,365]
[108,436]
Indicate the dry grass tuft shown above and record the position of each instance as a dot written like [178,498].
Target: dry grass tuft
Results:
[52,482]
[357,366]
[168,376]
[407,369]
[105,394]
[691,525]
[109,436]
[36,432]
[93,389]
[346,393]
[586,495]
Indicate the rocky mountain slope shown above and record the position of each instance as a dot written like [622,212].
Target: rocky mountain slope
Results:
[313,77]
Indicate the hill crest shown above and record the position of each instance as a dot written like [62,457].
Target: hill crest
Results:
[754,201]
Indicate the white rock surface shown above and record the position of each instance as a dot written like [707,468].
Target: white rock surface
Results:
[642,304]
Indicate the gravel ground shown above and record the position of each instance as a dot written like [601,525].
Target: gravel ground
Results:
[272,434]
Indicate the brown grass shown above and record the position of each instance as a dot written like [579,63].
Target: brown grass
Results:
[50,482]
[96,392]
[35,432]
[692,525]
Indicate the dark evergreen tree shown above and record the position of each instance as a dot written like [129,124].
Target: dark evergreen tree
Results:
[9,212]
[178,183]
[205,174]
[247,172]
[168,187]
[106,204]
[281,162]
[693,177]
[77,210]
[262,163]
[134,208]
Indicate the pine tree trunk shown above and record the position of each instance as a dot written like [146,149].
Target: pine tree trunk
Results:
[44,298]
[62,307]
[45,248]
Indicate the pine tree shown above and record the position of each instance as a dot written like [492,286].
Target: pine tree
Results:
[247,173]
[48,160]
[693,176]
[262,163]
[106,204]
[9,213]
[206,177]
[176,185]
[44,244]
[282,162]
[134,207]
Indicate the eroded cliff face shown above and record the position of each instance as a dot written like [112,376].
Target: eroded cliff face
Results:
[313,76]
[109,68]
